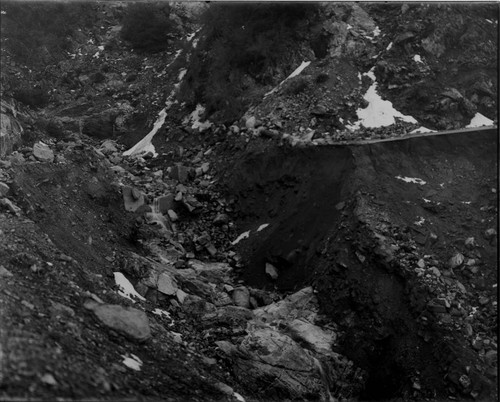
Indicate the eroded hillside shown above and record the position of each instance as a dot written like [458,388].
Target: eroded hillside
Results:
[248,202]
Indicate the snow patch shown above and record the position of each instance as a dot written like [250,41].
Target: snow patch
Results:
[244,235]
[101,48]
[479,120]
[238,397]
[160,312]
[296,72]
[190,36]
[376,31]
[415,180]
[144,146]
[182,73]
[132,362]
[126,288]
[262,227]
[421,130]
[195,43]
[96,55]
[195,116]
[379,112]
[389,47]
[417,58]
[420,222]
[3,12]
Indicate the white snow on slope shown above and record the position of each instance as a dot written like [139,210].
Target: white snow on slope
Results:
[417,59]
[262,227]
[296,72]
[479,120]
[244,235]
[126,288]
[379,112]
[195,117]
[145,145]
[415,180]
[421,130]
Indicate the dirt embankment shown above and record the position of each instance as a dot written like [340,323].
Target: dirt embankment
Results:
[397,239]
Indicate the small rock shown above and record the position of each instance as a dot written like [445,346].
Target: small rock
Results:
[167,284]
[456,260]
[172,215]
[10,206]
[48,379]
[250,123]
[205,167]
[42,152]
[470,243]
[4,272]
[241,297]
[490,234]
[221,219]
[434,271]
[181,295]
[212,250]
[132,198]
[271,271]
[4,189]
[165,202]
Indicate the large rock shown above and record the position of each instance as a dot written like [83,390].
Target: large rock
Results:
[241,297]
[128,321]
[315,337]
[180,173]
[132,198]
[266,356]
[42,152]
[302,304]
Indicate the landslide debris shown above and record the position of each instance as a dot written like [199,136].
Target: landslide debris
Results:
[247,260]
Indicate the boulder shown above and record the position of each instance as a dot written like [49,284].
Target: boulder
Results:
[132,198]
[165,202]
[42,152]
[315,337]
[272,271]
[266,356]
[241,297]
[4,189]
[128,321]
[302,304]
[180,173]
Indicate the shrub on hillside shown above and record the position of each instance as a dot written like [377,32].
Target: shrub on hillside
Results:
[147,26]
[40,33]
[242,43]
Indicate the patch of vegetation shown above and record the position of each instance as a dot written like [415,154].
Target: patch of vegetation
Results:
[296,85]
[242,45]
[147,26]
[41,33]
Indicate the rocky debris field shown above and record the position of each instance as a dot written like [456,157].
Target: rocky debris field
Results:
[297,253]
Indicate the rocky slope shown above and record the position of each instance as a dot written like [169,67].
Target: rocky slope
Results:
[284,254]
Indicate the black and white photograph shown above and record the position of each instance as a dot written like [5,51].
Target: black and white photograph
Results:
[249,201]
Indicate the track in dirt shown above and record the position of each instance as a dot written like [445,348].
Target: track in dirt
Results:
[314,200]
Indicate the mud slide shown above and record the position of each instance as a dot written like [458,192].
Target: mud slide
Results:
[373,227]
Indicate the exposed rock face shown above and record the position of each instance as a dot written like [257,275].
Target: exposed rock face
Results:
[10,128]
